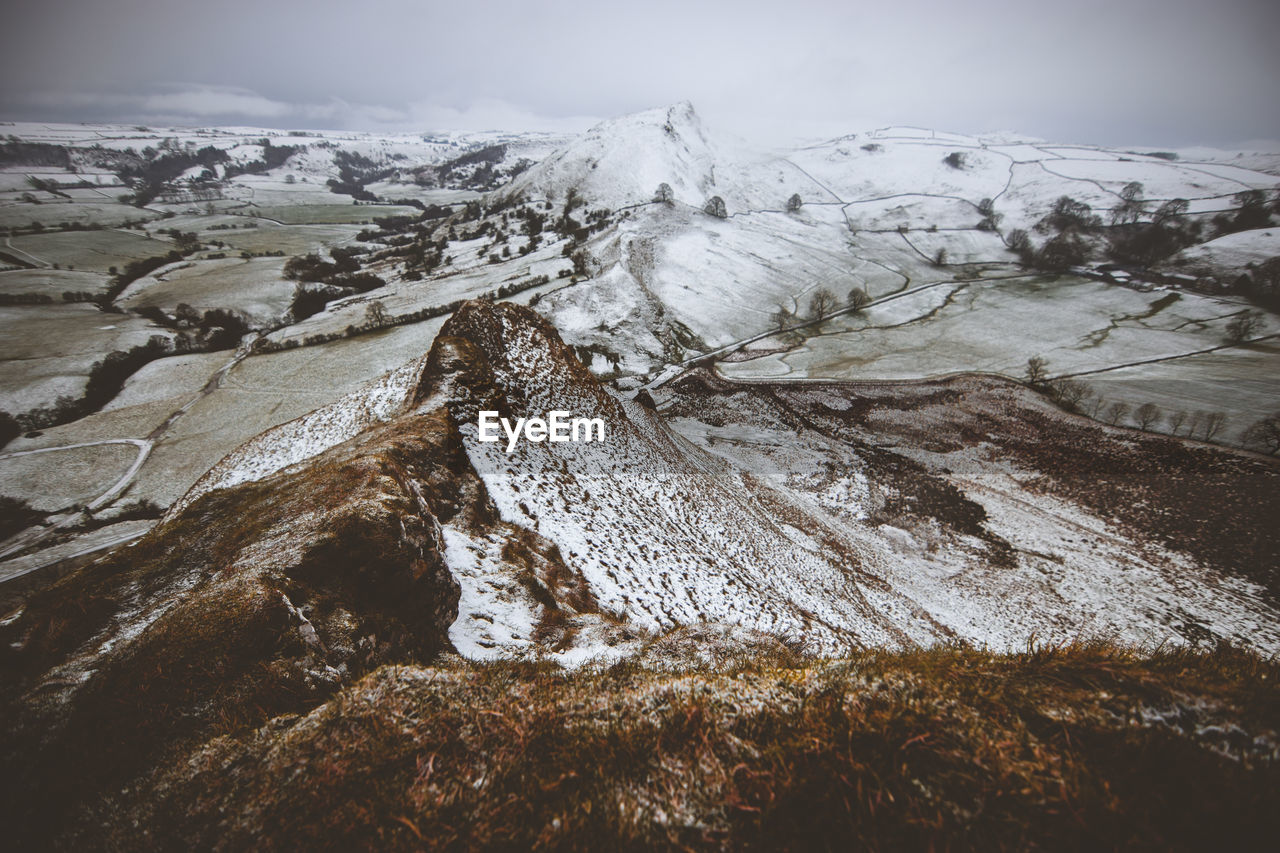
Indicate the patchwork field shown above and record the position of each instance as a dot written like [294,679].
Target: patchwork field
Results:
[48,214]
[51,283]
[258,393]
[47,350]
[59,479]
[1243,383]
[328,213]
[1080,327]
[269,236]
[254,286]
[91,250]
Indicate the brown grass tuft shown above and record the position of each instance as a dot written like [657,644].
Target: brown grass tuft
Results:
[1071,747]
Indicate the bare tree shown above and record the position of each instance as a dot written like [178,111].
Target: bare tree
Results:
[375,315]
[1117,412]
[1264,435]
[940,258]
[715,207]
[858,298]
[1131,205]
[1070,394]
[1244,326]
[664,194]
[822,303]
[793,203]
[783,317]
[1176,420]
[1174,209]
[1213,422]
[1037,370]
[1146,415]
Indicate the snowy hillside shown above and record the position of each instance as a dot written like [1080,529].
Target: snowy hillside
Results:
[884,211]
[742,521]
[759,508]
[317,261]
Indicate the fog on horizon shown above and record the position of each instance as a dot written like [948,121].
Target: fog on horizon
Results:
[1170,73]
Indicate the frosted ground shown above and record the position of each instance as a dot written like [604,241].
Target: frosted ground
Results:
[97,251]
[1084,328]
[255,286]
[46,351]
[665,282]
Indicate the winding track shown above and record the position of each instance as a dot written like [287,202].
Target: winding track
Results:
[34,535]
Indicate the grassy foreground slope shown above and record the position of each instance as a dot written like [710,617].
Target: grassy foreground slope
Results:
[1077,747]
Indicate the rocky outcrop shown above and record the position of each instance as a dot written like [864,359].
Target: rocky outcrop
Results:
[265,597]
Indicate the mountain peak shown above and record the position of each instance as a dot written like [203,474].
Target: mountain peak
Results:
[509,358]
[621,161]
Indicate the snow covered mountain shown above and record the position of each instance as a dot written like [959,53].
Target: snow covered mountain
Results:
[883,211]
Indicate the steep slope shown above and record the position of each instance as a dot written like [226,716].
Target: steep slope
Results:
[1091,530]
[661,532]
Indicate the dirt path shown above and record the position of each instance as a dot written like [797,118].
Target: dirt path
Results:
[35,535]
[41,262]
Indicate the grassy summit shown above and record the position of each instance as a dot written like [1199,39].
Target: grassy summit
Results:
[1076,747]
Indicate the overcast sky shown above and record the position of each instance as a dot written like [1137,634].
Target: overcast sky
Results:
[1151,72]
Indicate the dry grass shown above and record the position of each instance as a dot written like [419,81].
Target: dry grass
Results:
[949,748]
[88,705]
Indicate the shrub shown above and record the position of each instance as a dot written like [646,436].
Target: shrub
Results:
[16,515]
[1244,326]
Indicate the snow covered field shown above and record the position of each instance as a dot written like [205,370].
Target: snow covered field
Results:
[89,250]
[48,350]
[1077,324]
[255,286]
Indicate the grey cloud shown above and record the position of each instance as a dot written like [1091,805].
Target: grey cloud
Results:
[1140,72]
